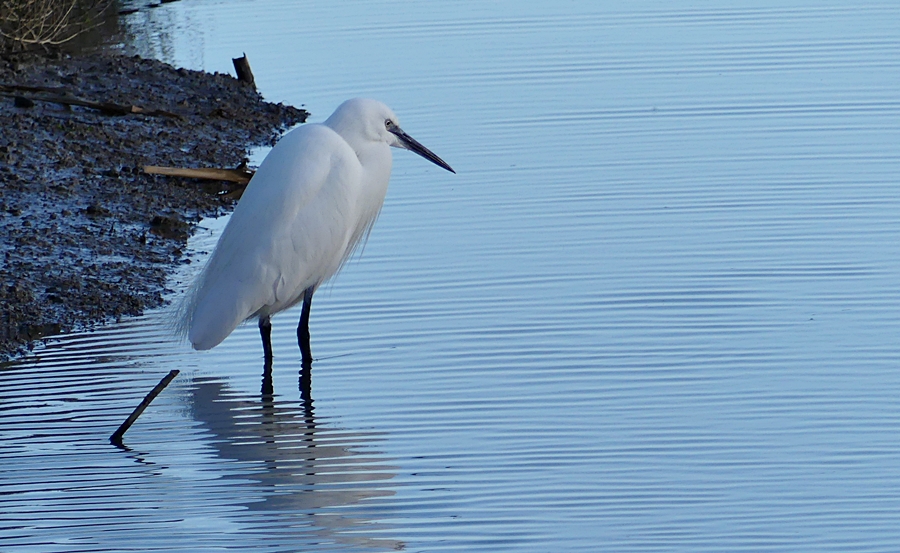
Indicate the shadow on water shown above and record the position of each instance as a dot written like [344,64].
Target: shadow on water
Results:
[209,464]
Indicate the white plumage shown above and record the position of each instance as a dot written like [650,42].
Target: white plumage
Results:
[311,202]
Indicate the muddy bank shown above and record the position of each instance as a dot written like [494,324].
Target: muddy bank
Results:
[85,235]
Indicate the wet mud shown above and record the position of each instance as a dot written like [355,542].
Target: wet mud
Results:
[85,235]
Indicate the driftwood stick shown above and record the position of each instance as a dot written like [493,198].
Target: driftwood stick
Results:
[116,438]
[242,68]
[29,88]
[231,175]
[108,108]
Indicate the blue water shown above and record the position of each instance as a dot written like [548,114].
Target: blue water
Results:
[655,310]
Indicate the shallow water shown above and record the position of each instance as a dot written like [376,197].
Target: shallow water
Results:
[655,310]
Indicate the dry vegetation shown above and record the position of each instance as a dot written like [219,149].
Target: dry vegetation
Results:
[30,23]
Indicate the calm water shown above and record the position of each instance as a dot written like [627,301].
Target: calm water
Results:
[656,310]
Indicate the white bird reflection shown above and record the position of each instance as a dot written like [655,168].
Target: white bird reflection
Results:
[205,467]
[303,466]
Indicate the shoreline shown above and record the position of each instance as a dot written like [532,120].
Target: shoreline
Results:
[85,235]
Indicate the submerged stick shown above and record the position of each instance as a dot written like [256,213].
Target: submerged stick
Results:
[116,438]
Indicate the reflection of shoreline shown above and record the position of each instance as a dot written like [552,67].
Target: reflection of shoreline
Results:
[302,466]
[166,33]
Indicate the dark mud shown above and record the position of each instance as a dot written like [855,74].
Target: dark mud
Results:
[85,235]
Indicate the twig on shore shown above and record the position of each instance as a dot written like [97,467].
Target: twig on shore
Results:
[242,69]
[108,108]
[240,176]
[116,438]
[30,88]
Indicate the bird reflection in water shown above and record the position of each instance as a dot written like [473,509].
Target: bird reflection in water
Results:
[267,390]
[304,475]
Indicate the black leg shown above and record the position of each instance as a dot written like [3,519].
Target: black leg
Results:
[265,331]
[303,327]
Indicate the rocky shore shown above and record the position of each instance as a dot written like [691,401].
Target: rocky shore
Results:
[85,235]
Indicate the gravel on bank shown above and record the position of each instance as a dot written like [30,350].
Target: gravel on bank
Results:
[85,235]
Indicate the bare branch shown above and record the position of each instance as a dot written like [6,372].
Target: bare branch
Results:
[47,22]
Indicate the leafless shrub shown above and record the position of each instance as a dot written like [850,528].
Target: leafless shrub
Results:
[25,23]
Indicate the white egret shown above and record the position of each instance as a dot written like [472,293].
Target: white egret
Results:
[313,200]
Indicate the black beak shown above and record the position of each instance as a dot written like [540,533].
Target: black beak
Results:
[413,145]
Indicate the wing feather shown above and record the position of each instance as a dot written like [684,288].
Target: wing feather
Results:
[282,238]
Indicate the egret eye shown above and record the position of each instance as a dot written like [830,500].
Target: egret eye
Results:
[388,124]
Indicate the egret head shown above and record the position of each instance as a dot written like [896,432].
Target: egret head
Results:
[371,120]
